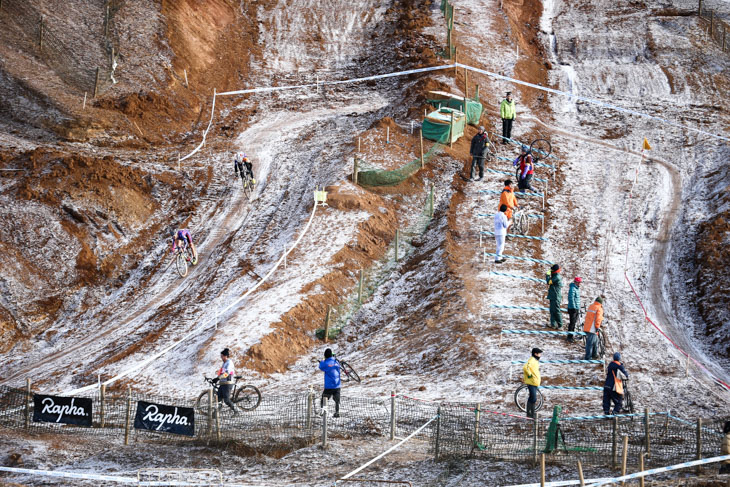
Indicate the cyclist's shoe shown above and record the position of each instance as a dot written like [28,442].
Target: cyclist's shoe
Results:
[253,181]
[336,415]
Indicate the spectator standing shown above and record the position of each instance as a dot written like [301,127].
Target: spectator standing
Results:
[592,325]
[555,295]
[478,152]
[508,198]
[613,388]
[573,306]
[525,169]
[225,380]
[507,112]
[531,377]
[332,385]
[501,225]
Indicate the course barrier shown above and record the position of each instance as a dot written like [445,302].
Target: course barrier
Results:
[531,308]
[573,388]
[526,259]
[655,471]
[511,173]
[537,164]
[514,235]
[532,215]
[514,276]
[542,332]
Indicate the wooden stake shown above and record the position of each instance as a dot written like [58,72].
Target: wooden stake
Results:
[438,434]
[96,83]
[210,411]
[324,424]
[624,454]
[310,401]
[129,413]
[392,415]
[102,399]
[387,135]
[580,475]
[699,444]
[456,54]
[699,11]
[420,135]
[614,442]
[477,416]
[359,288]
[327,323]
[28,398]
[451,130]
[355,170]
[466,87]
[641,469]
[185,72]
[359,139]
[542,470]
[40,35]
[647,433]
[397,238]
[83,107]
[535,427]
[217,423]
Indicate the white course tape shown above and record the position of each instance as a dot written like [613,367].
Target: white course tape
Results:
[560,483]
[591,101]
[205,134]
[653,471]
[140,365]
[362,467]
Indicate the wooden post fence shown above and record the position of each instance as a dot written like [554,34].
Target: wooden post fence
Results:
[310,406]
[580,475]
[128,416]
[40,35]
[699,444]
[641,469]
[542,470]
[624,455]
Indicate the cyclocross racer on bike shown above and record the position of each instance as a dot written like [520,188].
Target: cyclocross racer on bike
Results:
[180,238]
[241,163]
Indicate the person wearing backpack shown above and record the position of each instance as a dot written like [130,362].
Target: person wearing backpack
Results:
[613,388]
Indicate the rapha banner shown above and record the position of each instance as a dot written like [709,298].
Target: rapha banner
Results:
[66,410]
[170,419]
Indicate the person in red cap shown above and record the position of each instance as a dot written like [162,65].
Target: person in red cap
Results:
[573,306]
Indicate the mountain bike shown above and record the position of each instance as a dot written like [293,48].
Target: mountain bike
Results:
[246,397]
[349,373]
[248,184]
[601,348]
[183,255]
[520,221]
[522,394]
[628,407]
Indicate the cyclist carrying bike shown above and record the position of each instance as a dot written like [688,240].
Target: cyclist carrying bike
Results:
[332,383]
[525,169]
[613,388]
[531,377]
[241,164]
[225,380]
[180,238]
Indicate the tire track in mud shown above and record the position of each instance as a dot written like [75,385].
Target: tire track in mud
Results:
[659,259]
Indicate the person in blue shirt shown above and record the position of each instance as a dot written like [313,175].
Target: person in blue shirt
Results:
[613,391]
[331,369]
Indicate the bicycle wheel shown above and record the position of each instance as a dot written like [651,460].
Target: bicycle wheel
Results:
[201,405]
[247,397]
[182,264]
[350,373]
[628,403]
[522,394]
[601,345]
[247,186]
[540,148]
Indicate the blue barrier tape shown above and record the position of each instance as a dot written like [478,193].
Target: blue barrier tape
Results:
[535,215]
[561,362]
[514,235]
[528,259]
[542,332]
[537,164]
[514,276]
[497,171]
[517,193]
[533,308]
[574,388]
[603,416]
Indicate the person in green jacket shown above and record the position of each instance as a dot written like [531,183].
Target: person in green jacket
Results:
[555,295]
[507,112]
[573,305]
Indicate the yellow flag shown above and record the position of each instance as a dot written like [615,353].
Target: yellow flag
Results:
[646,144]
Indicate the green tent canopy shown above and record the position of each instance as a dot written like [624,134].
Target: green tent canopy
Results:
[437,125]
[443,99]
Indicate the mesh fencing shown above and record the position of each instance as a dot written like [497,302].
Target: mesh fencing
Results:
[64,47]
[287,422]
[378,177]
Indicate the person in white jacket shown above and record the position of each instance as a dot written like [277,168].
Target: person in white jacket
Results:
[501,225]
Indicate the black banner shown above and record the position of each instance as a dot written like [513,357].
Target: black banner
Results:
[66,410]
[169,419]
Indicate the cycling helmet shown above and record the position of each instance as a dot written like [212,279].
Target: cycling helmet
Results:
[525,148]
[173,232]
[240,156]
[245,159]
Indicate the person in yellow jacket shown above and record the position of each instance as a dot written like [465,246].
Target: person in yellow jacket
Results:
[507,112]
[594,318]
[531,377]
